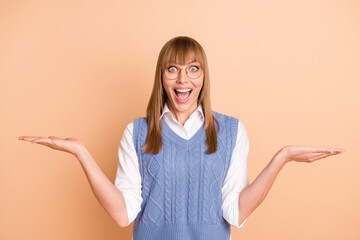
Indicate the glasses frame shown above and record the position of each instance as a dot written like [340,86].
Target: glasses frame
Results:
[186,70]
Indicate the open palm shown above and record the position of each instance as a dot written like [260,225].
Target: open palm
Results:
[307,154]
[70,145]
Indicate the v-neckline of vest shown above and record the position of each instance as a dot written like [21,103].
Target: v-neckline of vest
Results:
[180,140]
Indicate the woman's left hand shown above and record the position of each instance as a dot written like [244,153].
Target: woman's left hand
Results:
[307,154]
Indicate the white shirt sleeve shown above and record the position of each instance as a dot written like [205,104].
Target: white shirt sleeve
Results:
[236,178]
[128,179]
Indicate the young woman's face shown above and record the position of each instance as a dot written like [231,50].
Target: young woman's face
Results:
[182,91]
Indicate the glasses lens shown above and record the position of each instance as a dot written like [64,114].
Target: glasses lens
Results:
[193,71]
[172,72]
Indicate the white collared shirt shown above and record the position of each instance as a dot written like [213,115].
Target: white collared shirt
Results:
[128,179]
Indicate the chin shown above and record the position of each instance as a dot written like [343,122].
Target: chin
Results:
[184,107]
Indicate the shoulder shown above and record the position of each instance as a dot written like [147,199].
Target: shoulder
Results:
[135,122]
[134,127]
[226,119]
[139,119]
[231,121]
[140,129]
[224,116]
[139,122]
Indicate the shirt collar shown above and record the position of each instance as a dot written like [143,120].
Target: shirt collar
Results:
[199,109]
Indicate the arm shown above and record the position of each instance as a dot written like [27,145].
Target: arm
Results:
[251,197]
[127,182]
[121,201]
[105,192]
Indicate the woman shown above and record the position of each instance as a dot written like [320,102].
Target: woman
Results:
[183,167]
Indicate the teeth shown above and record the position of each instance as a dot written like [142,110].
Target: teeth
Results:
[183,90]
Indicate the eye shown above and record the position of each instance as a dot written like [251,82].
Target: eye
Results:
[193,68]
[172,69]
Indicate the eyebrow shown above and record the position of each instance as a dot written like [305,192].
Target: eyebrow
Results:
[173,63]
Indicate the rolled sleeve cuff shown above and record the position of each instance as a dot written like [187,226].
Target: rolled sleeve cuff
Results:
[231,212]
[132,207]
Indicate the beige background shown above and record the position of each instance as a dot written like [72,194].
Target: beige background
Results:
[289,70]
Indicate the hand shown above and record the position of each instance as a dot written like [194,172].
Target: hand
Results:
[70,145]
[307,154]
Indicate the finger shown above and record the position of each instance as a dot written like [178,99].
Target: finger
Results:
[329,150]
[319,154]
[328,153]
[324,155]
[338,150]
[45,144]
[42,140]
[29,138]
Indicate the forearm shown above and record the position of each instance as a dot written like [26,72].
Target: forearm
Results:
[104,190]
[251,196]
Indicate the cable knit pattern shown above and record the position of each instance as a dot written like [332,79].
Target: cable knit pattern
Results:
[167,173]
[194,184]
[180,191]
[182,196]
[207,202]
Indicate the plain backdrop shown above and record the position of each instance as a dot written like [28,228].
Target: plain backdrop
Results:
[289,70]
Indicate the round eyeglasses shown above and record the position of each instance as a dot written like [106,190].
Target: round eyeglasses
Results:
[173,72]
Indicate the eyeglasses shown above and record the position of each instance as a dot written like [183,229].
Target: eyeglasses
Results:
[173,72]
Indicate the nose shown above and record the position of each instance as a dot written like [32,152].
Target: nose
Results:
[182,76]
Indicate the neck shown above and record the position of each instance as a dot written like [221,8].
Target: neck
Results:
[181,117]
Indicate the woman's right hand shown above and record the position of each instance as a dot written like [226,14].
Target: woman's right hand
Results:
[70,145]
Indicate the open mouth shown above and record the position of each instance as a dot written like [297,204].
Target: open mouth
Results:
[182,95]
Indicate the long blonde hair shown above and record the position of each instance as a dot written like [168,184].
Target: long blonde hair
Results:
[177,50]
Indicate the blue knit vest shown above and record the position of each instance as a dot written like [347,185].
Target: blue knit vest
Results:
[181,185]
